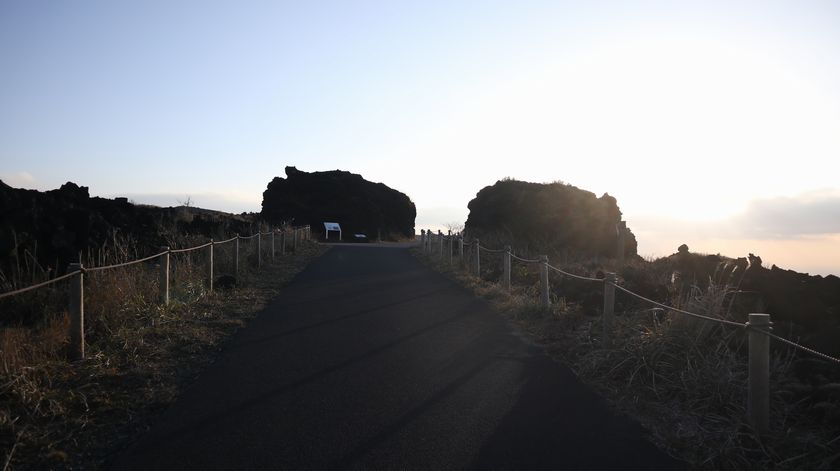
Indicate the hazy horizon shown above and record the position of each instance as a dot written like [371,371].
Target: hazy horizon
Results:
[716,125]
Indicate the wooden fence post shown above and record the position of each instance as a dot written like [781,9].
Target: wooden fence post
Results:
[609,307]
[545,295]
[164,276]
[211,265]
[758,405]
[294,240]
[423,239]
[621,228]
[440,243]
[236,258]
[272,245]
[77,313]
[283,242]
[506,269]
[449,247]
[477,258]
[461,249]
[259,248]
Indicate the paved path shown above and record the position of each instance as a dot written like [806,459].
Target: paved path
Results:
[369,360]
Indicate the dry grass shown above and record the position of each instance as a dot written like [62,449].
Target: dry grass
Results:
[684,379]
[60,415]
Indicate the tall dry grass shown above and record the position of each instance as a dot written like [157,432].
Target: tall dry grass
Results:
[684,378]
[52,414]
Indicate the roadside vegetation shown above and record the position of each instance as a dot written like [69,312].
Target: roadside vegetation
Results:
[140,354]
[684,379]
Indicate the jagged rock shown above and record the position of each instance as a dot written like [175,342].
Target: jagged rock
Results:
[53,227]
[358,205]
[553,216]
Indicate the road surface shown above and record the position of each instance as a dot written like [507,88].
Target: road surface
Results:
[369,360]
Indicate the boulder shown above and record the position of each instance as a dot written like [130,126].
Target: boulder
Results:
[549,217]
[358,205]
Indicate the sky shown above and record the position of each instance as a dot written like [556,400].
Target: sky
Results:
[715,124]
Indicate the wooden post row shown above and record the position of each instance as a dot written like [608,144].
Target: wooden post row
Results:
[758,396]
[164,276]
[283,243]
[449,247]
[545,298]
[211,265]
[77,313]
[477,258]
[621,228]
[506,269]
[236,258]
[609,307]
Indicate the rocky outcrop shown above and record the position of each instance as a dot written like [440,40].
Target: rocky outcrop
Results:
[358,205]
[553,217]
[53,227]
[808,305]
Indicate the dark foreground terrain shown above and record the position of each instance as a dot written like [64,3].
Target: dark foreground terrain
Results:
[371,360]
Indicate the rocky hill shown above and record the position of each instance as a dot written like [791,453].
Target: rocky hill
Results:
[358,205]
[52,227]
[556,217]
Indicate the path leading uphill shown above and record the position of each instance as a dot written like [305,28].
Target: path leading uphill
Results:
[369,360]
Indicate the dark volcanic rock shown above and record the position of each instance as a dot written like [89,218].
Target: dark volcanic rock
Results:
[810,303]
[358,205]
[53,227]
[552,216]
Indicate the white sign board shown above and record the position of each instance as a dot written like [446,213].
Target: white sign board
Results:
[332,226]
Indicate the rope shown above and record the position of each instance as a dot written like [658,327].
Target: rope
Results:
[572,275]
[133,262]
[491,250]
[226,241]
[190,248]
[250,236]
[795,345]
[523,259]
[670,308]
[39,285]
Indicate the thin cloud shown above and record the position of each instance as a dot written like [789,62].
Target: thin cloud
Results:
[791,217]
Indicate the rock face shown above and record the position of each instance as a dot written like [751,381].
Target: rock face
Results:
[553,216]
[811,302]
[53,227]
[358,205]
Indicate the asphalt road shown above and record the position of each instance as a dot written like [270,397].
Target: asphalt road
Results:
[369,360]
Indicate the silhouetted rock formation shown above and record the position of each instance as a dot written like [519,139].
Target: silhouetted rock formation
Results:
[552,217]
[810,302]
[54,226]
[358,205]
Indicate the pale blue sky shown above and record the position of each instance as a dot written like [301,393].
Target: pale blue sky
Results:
[697,116]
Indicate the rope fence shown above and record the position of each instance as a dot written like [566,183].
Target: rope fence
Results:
[76,272]
[758,327]
[39,285]
[190,249]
